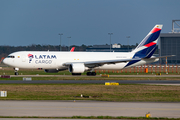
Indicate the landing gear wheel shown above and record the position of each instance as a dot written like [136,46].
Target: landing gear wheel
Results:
[91,74]
[76,73]
[16,73]
[88,73]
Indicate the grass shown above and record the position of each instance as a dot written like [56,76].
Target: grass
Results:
[97,91]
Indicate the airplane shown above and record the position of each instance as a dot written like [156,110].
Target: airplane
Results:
[79,62]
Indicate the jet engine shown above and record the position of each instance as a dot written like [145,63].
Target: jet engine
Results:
[77,68]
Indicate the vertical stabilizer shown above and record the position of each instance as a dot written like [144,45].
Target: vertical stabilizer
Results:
[147,46]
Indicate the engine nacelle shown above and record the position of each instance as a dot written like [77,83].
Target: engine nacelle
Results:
[77,68]
[51,70]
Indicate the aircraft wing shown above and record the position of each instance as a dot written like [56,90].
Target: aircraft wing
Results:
[92,64]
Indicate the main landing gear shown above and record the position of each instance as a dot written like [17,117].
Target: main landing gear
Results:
[16,71]
[91,74]
[88,74]
[76,73]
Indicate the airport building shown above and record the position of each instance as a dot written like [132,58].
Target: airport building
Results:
[169,44]
[106,48]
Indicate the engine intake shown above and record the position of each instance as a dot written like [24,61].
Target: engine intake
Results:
[77,68]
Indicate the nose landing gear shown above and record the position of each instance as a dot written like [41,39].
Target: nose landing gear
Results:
[16,71]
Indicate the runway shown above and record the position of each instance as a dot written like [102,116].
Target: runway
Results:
[161,82]
[88,108]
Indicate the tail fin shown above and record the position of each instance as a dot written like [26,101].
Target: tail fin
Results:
[72,49]
[148,46]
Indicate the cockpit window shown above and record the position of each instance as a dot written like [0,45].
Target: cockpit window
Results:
[10,57]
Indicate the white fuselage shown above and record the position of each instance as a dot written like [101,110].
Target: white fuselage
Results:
[56,59]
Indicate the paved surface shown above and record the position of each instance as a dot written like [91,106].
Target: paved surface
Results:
[95,76]
[88,108]
[164,82]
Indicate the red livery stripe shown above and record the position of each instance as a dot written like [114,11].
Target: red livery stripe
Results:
[150,44]
[72,49]
[29,55]
[155,30]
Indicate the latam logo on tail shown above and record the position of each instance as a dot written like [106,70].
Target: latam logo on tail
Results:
[39,59]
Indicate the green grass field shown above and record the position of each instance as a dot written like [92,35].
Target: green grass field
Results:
[96,91]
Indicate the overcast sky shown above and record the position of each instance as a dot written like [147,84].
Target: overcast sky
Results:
[26,22]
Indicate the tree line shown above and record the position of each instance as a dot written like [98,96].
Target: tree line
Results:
[6,50]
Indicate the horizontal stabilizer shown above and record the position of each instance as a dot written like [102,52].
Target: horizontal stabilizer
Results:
[160,57]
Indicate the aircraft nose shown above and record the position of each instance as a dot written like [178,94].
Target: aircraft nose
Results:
[5,61]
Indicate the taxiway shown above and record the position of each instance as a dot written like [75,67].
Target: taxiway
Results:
[158,82]
[88,108]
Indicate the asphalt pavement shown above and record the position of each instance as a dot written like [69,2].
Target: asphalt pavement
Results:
[88,108]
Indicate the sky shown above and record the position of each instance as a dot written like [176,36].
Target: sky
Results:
[27,22]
